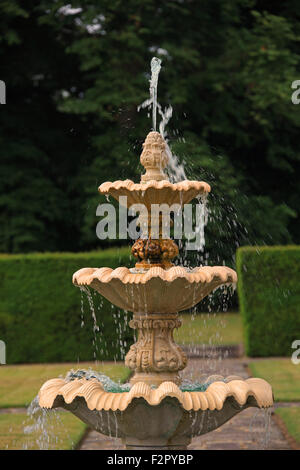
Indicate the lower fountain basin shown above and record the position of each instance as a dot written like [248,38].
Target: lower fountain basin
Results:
[162,418]
[168,425]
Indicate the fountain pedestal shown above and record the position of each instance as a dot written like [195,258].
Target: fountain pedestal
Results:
[155,357]
[155,413]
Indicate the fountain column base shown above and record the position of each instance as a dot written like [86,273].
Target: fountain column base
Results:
[155,378]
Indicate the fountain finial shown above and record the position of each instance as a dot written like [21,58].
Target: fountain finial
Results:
[154,158]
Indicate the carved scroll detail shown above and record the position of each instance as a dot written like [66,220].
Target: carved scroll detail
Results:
[155,350]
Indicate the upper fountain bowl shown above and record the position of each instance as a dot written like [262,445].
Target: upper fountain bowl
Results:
[154,188]
[155,192]
[156,290]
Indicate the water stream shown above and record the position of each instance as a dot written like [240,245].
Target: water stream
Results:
[155,69]
[44,429]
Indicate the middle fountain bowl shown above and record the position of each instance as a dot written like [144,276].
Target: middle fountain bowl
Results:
[157,290]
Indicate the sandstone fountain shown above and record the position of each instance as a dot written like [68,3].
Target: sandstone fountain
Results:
[155,411]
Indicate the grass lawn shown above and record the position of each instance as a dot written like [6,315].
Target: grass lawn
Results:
[282,374]
[19,384]
[212,329]
[291,419]
[64,431]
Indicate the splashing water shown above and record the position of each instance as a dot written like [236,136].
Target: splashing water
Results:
[40,425]
[96,329]
[42,428]
[175,169]
[107,383]
[116,387]
[260,427]
[94,303]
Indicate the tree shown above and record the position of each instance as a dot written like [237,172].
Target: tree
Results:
[40,147]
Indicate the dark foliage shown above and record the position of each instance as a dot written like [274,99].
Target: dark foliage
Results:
[73,85]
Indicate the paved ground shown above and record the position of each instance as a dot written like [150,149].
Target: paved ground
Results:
[4,411]
[247,430]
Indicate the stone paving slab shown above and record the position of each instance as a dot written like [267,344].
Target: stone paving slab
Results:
[4,411]
[246,431]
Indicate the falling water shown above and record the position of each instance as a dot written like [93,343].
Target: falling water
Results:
[96,328]
[44,428]
[96,305]
[260,428]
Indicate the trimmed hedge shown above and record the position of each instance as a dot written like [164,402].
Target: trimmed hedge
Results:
[269,298]
[40,309]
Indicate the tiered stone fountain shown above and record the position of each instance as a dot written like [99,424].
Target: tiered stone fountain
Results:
[155,412]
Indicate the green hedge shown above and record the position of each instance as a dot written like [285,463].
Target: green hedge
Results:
[269,298]
[40,309]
